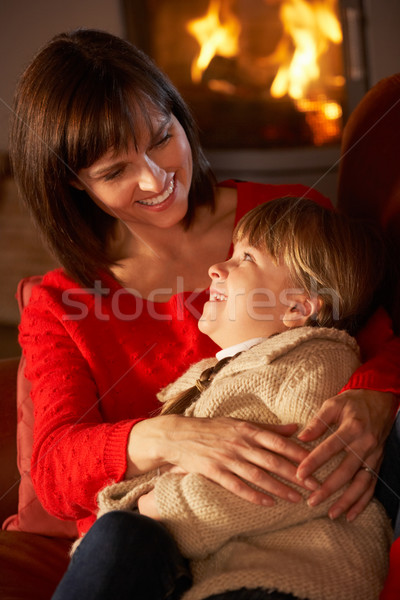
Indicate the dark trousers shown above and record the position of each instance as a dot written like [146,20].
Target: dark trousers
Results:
[125,555]
[388,485]
[128,556]
[256,594]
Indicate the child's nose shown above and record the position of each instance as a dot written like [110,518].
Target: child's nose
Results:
[217,271]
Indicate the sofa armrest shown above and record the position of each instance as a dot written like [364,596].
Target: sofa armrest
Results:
[9,475]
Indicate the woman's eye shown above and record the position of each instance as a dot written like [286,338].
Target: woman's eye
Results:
[163,140]
[113,175]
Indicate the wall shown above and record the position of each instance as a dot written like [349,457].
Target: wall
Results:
[382,26]
[27,24]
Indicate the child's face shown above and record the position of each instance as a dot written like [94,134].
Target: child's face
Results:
[249,296]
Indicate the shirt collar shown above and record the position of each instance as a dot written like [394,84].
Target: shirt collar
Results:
[232,350]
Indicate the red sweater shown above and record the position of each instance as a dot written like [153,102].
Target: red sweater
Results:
[97,362]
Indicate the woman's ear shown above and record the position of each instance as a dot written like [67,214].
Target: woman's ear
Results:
[300,310]
[77,184]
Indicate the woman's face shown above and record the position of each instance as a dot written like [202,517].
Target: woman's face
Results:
[148,185]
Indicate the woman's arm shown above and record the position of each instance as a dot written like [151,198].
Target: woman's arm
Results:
[75,452]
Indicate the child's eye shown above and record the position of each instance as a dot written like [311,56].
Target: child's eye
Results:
[247,256]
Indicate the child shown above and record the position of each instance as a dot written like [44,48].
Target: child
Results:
[300,278]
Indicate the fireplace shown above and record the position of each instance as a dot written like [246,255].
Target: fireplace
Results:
[270,82]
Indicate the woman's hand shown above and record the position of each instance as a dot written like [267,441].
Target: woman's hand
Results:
[227,451]
[364,419]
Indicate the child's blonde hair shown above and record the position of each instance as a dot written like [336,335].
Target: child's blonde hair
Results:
[339,259]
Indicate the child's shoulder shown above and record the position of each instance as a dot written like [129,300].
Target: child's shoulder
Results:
[308,341]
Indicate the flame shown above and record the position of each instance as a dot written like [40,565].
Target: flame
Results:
[322,116]
[332,111]
[213,37]
[310,26]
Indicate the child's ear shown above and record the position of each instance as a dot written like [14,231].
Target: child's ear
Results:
[300,310]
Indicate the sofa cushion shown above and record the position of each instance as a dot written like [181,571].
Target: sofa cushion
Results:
[31,565]
[9,474]
[391,590]
[31,516]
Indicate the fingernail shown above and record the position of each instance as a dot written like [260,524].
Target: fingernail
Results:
[294,497]
[311,484]
[351,517]
[334,513]
[267,501]
[314,500]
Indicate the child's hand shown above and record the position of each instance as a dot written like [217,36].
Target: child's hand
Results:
[147,503]
[148,507]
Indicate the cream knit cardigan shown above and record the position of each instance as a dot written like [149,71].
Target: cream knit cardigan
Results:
[289,547]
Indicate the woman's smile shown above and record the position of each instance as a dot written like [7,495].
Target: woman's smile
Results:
[162,201]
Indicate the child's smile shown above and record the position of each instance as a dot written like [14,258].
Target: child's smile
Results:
[217,296]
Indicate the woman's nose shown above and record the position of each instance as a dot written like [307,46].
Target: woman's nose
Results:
[152,178]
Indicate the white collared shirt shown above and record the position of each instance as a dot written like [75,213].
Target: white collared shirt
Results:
[232,350]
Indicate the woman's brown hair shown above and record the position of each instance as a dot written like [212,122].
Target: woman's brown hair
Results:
[76,100]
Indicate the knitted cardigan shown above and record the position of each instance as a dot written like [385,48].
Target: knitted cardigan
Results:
[288,547]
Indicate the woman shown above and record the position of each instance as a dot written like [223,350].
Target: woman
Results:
[107,158]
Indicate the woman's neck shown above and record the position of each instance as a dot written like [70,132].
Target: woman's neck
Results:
[149,258]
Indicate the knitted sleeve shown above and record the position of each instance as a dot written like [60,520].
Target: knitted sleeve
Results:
[75,452]
[202,516]
[381,356]
[78,447]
